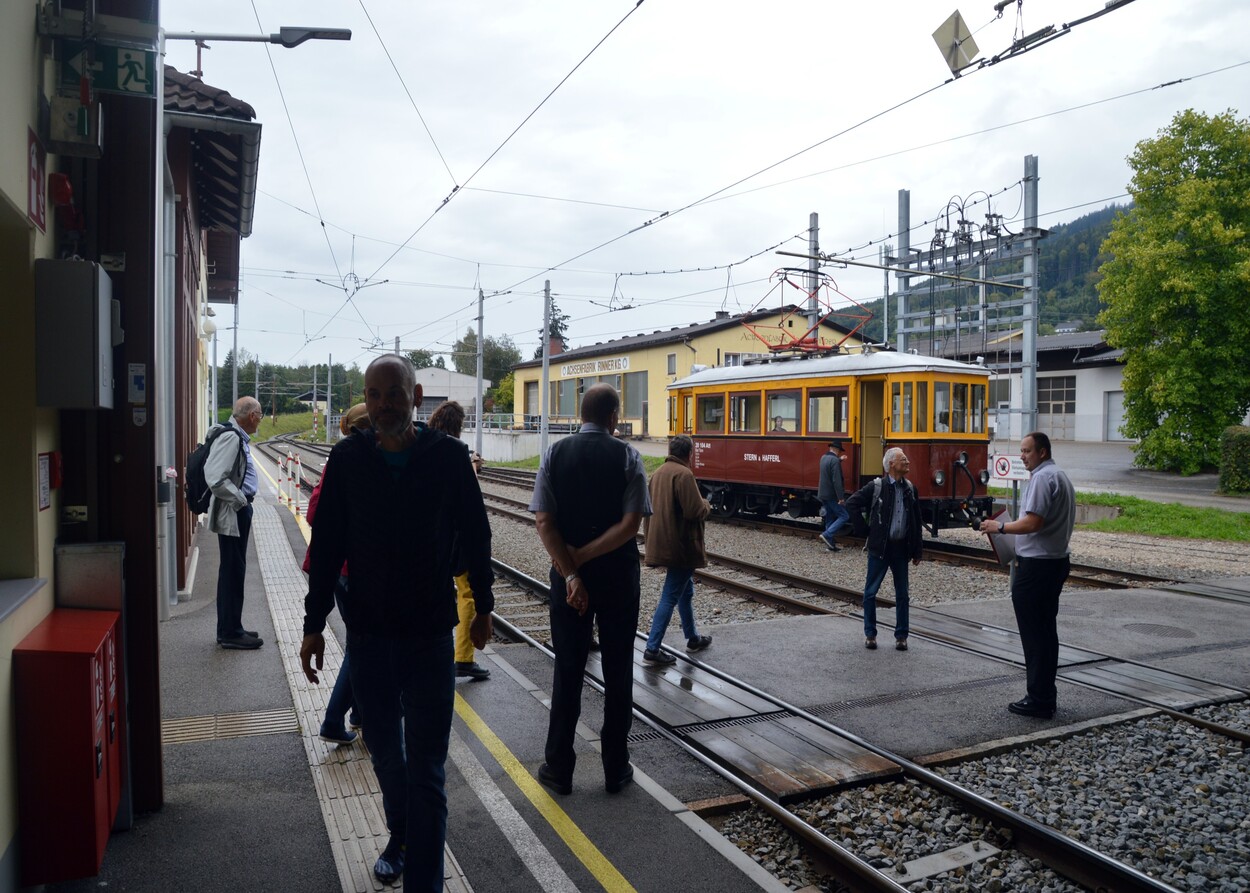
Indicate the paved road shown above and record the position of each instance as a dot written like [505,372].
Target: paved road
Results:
[1100,467]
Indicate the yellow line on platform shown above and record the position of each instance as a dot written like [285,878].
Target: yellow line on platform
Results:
[581,846]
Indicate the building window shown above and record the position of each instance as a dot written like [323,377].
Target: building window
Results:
[635,394]
[672,364]
[1056,395]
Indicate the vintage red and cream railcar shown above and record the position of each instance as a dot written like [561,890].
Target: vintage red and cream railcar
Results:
[760,429]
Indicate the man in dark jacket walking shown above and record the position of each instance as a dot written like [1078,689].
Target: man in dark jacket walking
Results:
[590,496]
[675,541]
[894,537]
[401,496]
[832,494]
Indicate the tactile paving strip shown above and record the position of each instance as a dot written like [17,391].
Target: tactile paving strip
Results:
[351,803]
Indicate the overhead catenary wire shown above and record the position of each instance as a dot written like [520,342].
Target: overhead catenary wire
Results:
[509,137]
[294,136]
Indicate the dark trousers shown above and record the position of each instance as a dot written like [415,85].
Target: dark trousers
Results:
[1035,596]
[614,595]
[230,575]
[406,690]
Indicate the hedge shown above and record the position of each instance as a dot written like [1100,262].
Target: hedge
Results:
[1235,460]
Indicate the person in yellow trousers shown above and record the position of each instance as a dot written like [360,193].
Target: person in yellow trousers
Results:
[448,417]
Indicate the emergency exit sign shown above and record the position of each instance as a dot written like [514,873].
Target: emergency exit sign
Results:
[112,69]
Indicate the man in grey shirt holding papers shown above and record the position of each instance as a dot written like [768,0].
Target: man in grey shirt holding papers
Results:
[1042,534]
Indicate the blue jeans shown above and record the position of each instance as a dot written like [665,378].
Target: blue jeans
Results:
[678,592]
[341,699]
[895,561]
[394,678]
[836,517]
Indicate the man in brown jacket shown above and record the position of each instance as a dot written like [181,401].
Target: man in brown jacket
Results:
[674,534]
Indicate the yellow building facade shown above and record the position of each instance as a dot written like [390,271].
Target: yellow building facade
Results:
[641,367]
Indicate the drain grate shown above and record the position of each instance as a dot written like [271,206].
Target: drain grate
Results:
[1161,630]
[826,710]
[219,726]
[693,728]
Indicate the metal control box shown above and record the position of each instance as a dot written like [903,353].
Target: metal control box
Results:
[73,332]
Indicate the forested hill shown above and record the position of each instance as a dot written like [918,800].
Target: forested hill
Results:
[1070,258]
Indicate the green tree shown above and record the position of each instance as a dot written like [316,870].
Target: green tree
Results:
[499,355]
[504,393]
[1176,290]
[424,359]
[558,329]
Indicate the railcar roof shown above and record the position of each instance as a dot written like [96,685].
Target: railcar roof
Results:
[875,363]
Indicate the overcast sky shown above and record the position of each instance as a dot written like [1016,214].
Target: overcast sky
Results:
[735,119]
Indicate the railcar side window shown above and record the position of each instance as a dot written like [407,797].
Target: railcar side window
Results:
[783,411]
[827,411]
[744,414]
[922,406]
[711,417]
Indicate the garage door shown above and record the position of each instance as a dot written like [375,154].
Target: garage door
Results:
[1113,416]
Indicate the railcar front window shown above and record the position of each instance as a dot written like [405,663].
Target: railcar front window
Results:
[687,415]
[711,417]
[959,407]
[922,406]
[942,406]
[901,407]
[744,414]
[977,416]
[827,411]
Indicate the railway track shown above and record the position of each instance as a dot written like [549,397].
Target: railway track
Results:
[935,550]
[1002,834]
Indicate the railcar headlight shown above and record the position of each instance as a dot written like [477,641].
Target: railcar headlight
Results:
[939,476]
[984,475]
[963,458]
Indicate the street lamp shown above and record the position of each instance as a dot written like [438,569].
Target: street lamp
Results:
[288,37]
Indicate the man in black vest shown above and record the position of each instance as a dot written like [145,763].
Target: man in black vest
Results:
[590,496]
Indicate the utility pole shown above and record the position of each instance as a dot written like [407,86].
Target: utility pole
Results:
[477,439]
[1032,294]
[329,392]
[544,395]
[258,375]
[902,279]
[813,275]
[314,401]
[234,367]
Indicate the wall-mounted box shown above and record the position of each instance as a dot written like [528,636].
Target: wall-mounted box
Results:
[73,335]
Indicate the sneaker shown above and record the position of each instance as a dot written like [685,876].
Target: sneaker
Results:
[829,543]
[337,736]
[698,643]
[900,644]
[472,670]
[871,643]
[658,657]
[390,865]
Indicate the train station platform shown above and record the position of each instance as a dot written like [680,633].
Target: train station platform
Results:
[254,800]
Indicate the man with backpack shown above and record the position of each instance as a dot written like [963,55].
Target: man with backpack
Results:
[231,476]
[894,537]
